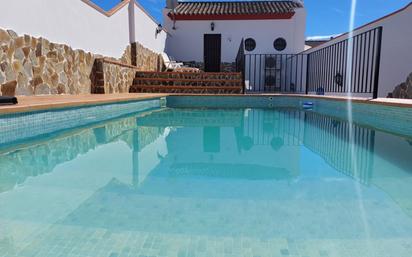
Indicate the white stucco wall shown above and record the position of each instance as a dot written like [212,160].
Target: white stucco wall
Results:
[77,24]
[396,53]
[145,30]
[185,43]
[69,22]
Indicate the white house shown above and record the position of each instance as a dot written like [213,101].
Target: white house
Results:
[210,33]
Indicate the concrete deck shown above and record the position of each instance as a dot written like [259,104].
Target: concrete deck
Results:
[35,103]
[367,100]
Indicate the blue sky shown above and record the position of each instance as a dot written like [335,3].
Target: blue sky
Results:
[325,17]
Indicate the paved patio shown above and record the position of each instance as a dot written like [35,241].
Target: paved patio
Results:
[32,103]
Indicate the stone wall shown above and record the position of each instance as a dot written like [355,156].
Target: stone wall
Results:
[144,59]
[35,66]
[188,82]
[404,90]
[113,76]
[224,66]
[110,77]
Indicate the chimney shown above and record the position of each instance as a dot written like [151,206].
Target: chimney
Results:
[171,4]
[132,23]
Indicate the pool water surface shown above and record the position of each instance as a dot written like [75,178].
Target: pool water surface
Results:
[202,182]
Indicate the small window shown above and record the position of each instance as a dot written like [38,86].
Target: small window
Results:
[280,44]
[250,44]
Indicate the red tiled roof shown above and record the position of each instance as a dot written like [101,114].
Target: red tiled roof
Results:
[189,10]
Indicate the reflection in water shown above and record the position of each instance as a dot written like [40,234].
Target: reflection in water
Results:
[221,149]
[245,143]
[320,130]
[160,181]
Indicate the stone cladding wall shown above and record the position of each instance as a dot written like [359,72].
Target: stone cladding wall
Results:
[116,76]
[224,66]
[187,82]
[403,90]
[35,66]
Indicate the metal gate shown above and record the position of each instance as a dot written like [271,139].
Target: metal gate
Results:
[275,72]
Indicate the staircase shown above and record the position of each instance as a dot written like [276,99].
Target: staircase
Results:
[187,82]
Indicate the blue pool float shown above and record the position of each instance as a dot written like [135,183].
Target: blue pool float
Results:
[307,105]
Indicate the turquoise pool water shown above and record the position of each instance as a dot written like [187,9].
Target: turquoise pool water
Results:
[207,182]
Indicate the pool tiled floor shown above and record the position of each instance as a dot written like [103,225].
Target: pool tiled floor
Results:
[71,241]
[103,199]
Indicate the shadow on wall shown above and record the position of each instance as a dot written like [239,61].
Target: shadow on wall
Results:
[35,66]
[403,90]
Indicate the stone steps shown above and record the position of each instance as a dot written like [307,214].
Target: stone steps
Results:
[188,82]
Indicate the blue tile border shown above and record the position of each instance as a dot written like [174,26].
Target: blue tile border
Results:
[20,126]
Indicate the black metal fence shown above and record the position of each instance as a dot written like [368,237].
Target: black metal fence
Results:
[275,72]
[351,65]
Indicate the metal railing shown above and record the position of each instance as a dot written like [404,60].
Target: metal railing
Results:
[351,65]
[275,72]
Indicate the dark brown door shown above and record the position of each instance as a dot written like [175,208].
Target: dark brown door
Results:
[212,49]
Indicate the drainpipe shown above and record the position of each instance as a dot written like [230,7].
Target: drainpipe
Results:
[171,5]
[174,20]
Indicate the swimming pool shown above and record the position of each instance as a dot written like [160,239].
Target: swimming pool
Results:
[207,176]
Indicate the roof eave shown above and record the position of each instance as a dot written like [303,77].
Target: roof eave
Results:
[275,16]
